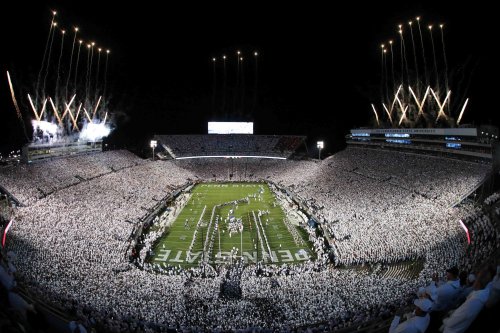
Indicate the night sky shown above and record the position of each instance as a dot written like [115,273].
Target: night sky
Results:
[319,66]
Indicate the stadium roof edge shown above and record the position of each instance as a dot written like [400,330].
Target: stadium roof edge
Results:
[424,131]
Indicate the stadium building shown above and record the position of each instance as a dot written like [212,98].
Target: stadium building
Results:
[468,143]
[259,231]
[233,231]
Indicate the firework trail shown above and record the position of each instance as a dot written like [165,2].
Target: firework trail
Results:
[106,73]
[44,55]
[376,115]
[98,66]
[70,64]
[404,55]
[414,52]
[90,67]
[48,57]
[444,57]
[224,85]
[214,84]
[256,80]
[434,57]
[77,61]
[16,106]
[63,33]
[386,75]
[382,72]
[236,89]
[462,112]
[87,74]
[242,86]
[423,52]
[392,67]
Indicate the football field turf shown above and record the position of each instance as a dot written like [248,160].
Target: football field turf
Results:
[208,228]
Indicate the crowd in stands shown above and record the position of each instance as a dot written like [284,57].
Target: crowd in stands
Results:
[451,305]
[492,199]
[30,182]
[72,235]
[232,145]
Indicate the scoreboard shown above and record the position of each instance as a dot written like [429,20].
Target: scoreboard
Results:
[216,127]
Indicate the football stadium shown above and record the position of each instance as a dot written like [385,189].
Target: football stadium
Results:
[231,229]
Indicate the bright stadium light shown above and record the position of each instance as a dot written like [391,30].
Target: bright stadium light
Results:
[153,145]
[320,146]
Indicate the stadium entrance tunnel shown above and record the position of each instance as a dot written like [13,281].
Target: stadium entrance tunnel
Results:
[210,225]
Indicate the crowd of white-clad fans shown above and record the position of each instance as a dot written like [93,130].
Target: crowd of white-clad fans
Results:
[71,240]
[492,198]
[232,145]
[31,182]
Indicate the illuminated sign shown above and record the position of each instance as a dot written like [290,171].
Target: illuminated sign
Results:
[397,135]
[453,145]
[216,127]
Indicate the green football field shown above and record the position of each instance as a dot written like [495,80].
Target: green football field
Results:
[208,228]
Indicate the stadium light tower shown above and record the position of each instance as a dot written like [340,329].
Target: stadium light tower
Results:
[153,145]
[320,146]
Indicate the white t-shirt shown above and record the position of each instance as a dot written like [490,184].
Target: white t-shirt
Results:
[416,324]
